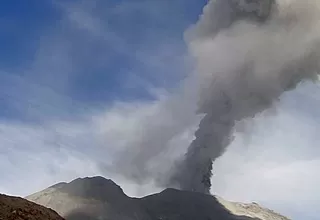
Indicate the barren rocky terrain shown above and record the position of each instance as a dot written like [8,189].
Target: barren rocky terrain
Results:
[15,208]
[98,198]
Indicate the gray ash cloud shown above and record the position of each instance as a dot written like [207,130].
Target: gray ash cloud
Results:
[248,54]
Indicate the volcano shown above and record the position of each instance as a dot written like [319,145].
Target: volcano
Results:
[97,198]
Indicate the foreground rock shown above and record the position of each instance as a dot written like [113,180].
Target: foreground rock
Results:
[101,199]
[14,208]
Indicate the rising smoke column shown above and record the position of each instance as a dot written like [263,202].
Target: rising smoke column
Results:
[248,53]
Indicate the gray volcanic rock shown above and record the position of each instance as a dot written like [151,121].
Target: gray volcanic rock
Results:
[98,198]
[97,188]
[183,205]
[252,210]
[94,198]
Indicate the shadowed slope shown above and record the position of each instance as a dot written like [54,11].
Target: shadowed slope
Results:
[182,205]
[98,198]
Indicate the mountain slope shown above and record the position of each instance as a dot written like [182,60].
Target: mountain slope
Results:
[15,208]
[174,204]
[101,199]
[251,210]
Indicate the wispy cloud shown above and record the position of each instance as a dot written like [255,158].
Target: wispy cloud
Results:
[66,137]
[63,150]
[73,138]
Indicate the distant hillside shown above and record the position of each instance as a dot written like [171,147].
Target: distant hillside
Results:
[98,198]
[15,208]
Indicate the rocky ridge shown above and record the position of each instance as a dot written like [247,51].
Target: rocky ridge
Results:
[98,198]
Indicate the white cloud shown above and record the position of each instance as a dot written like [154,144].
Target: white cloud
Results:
[34,157]
[62,150]
[277,163]
[51,143]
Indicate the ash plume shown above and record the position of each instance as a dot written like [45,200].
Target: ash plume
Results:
[248,53]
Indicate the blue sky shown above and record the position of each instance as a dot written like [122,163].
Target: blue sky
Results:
[90,51]
[72,71]
[82,81]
